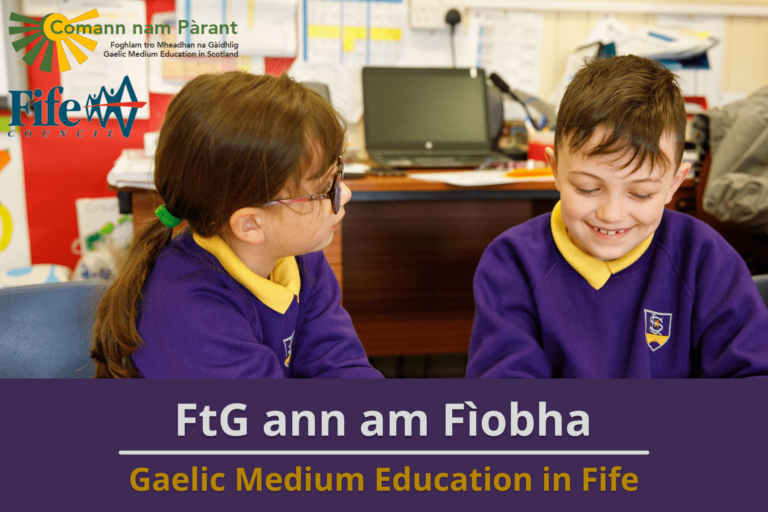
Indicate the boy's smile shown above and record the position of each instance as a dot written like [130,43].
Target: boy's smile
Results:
[608,209]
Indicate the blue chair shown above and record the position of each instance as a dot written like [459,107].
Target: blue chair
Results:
[762,286]
[45,330]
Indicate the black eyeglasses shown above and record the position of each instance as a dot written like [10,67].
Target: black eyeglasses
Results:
[334,194]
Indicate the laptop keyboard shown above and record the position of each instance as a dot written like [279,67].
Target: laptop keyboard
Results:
[447,159]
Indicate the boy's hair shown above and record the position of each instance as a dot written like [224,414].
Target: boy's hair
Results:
[635,99]
[228,141]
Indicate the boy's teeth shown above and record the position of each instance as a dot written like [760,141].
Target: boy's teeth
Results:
[609,233]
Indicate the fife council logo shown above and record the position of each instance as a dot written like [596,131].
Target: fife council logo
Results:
[53,31]
[112,102]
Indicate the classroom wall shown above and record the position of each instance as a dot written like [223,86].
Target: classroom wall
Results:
[745,45]
[57,172]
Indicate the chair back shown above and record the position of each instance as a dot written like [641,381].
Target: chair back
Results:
[45,330]
[762,286]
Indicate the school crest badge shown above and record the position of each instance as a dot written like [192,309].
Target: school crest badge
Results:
[658,327]
[288,344]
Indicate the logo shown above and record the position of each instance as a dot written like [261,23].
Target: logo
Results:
[113,105]
[109,101]
[54,31]
[288,344]
[658,327]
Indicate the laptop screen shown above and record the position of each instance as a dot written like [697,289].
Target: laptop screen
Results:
[418,108]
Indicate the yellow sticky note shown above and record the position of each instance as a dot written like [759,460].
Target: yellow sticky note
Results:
[386,34]
[324,31]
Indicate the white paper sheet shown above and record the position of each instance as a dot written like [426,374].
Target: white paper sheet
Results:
[4,85]
[360,33]
[508,43]
[38,8]
[264,27]
[167,75]
[132,169]
[473,178]
[700,82]
[345,84]
[87,78]
[608,29]
[14,229]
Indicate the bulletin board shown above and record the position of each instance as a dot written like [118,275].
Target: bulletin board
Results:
[58,171]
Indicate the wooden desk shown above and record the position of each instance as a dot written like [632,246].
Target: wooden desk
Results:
[410,252]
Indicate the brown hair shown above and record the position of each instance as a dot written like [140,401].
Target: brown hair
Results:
[228,141]
[635,99]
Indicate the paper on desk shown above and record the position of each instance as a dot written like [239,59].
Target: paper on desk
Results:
[108,72]
[132,169]
[473,178]
[508,43]
[356,168]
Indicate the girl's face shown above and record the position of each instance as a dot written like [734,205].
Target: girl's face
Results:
[302,228]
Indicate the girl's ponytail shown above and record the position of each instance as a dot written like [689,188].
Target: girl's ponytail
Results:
[115,336]
[227,142]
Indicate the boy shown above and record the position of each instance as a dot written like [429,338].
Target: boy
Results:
[611,284]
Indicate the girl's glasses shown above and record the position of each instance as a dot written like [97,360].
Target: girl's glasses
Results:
[334,194]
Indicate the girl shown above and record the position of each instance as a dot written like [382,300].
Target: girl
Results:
[252,164]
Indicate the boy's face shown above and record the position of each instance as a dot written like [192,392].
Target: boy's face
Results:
[607,209]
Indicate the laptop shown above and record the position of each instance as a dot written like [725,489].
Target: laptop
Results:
[427,117]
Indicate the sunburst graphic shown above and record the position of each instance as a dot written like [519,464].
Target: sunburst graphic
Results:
[42,38]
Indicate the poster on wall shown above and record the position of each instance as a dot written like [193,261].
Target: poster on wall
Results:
[14,230]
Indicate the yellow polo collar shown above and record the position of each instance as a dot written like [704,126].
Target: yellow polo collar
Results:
[276,293]
[595,271]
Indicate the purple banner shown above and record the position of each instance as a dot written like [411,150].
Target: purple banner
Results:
[520,445]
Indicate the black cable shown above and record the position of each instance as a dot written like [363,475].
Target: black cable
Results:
[453,47]
[453,17]
[504,87]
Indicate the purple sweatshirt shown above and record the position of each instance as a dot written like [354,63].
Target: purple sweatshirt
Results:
[686,307]
[197,320]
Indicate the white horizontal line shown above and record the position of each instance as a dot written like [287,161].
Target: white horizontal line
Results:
[384,452]
[724,8]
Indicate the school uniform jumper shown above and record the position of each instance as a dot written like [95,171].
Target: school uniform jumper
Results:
[682,304]
[205,314]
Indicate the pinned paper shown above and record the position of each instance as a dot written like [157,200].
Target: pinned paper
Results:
[353,33]
[14,229]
